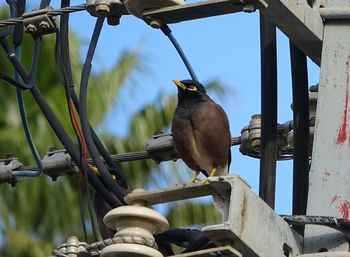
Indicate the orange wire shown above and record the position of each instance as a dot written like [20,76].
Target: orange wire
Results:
[78,130]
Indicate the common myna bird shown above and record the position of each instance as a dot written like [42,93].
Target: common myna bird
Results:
[200,130]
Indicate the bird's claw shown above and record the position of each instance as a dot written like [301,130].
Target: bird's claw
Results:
[203,182]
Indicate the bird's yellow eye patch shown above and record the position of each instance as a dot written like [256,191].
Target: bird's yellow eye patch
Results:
[192,88]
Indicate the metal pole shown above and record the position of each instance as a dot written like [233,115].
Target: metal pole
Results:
[268,157]
[300,131]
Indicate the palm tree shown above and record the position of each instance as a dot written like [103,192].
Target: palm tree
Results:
[34,213]
[38,214]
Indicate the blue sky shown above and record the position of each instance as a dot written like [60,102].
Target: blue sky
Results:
[225,48]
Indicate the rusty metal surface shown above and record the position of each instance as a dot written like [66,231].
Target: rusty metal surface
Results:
[179,13]
[222,251]
[329,193]
[327,254]
[300,22]
[181,192]
[252,227]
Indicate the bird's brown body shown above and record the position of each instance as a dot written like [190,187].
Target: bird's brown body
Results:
[201,133]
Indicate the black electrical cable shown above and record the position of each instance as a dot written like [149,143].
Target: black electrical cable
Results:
[81,207]
[18,29]
[21,106]
[13,14]
[267,183]
[12,82]
[56,126]
[69,87]
[121,179]
[105,176]
[44,3]
[34,67]
[167,31]
[68,80]
[301,131]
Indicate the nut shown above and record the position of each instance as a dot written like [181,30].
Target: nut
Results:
[31,28]
[248,8]
[44,25]
[155,23]
[113,20]
[103,8]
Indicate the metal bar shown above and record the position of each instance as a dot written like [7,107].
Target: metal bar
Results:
[300,131]
[179,13]
[267,183]
[329,193]
[61,11]
[251,226]
[335,12]
[301,23]
[226,251]
[177,193]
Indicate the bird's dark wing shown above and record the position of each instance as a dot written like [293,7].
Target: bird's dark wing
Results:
[211,131]
[184,140]
[101,208]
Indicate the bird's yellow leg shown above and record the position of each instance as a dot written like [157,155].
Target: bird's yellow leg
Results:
[212,173]
[194,178]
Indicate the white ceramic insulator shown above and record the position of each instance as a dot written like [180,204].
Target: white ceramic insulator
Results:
[134,222]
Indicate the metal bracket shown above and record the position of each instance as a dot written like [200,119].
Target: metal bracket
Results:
[38,23]
[249,224]
[222,251]
[112,9]
[204,9]
[58,163]
[251,139]
[7,166]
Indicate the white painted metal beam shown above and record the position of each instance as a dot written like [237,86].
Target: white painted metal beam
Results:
[301,23]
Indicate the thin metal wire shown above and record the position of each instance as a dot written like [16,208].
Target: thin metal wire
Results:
[61,11]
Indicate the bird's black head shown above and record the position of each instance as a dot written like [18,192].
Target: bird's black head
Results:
[189,89]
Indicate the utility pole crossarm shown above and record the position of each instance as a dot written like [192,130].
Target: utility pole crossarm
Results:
[301,23]
[203,9]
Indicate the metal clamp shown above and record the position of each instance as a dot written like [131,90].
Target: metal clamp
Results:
[251,139]
[161,147]
[112,9]
[72,248]
[38,23]
[58,163]
[7,166]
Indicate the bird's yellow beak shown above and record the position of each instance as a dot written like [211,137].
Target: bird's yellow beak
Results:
[179,84]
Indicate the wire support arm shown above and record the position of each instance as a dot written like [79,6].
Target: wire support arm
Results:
[50,13]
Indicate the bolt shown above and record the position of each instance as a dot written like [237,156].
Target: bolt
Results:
[44,25]
[31,28]
[256,143]
[113,20]
[155,23]
[248,8]
[103,8]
